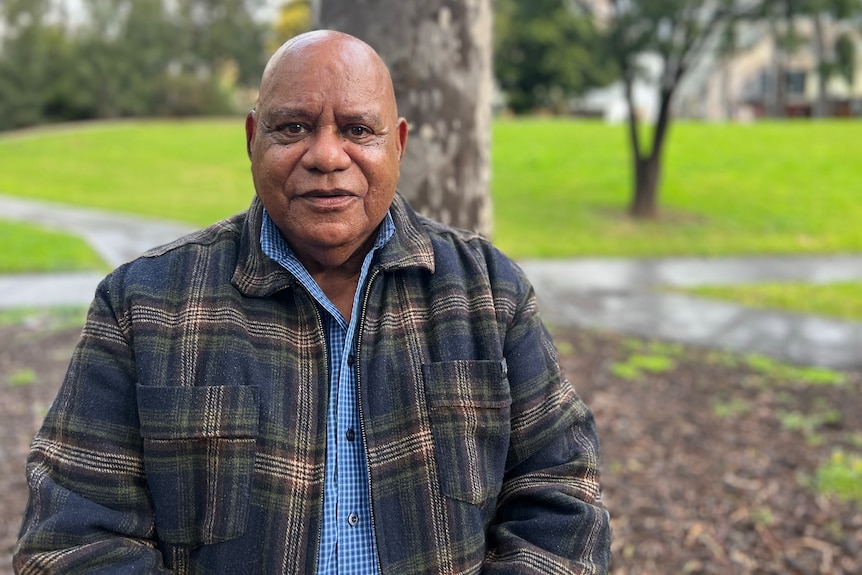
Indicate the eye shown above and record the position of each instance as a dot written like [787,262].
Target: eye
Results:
[293,128]
[358,131]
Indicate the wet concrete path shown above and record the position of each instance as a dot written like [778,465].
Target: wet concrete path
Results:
[621,295]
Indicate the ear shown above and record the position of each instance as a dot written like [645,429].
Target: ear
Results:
[402,129]
[250,129]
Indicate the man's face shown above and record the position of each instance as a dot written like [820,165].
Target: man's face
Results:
[325,144]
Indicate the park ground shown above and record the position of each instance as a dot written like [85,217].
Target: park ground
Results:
[709,460]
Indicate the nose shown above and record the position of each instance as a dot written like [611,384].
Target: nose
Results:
[325,152]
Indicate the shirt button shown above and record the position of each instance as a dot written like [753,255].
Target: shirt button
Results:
[351,435]
[352,519]
[350,360]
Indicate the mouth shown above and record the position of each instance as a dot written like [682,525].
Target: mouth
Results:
[328,199]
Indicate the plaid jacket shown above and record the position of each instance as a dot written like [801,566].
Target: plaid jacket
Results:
[189,433]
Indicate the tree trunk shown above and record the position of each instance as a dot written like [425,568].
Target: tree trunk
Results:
[645,200]
[648,166]
[821,108]
[439,53]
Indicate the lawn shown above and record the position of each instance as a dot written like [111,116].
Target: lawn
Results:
[560,187]
[841,300]
[195,171]
[28,248]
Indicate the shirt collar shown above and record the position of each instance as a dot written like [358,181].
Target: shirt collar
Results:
[275,246]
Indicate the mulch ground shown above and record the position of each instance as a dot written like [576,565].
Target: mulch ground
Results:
[709,463]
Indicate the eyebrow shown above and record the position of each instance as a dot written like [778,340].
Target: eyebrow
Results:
[282,112]
[286,112]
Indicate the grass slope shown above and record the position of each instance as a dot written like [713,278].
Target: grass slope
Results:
[560,187]
[27,248]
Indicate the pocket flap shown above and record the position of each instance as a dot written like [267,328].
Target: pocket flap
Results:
[168,412]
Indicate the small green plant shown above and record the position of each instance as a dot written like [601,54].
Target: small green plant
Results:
[762,516]
[785,373]
[733,408]
[564,348]
[855,439]
[22,377]
[808,423]
[636,366]
[841,476]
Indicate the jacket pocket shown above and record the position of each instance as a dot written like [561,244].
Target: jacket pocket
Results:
[199,446]
[469,406]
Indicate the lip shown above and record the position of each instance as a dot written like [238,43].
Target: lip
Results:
[329,200]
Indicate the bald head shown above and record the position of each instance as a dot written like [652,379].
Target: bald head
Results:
[337,52]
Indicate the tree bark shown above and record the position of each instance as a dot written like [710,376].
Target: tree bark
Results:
[821,109]
[647,166]
[439,53]
[645,200]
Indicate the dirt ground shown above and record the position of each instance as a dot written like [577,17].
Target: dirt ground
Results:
[708,461]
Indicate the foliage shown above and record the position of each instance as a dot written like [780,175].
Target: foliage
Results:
[835,56]
[294,17]
[125,58]
[544,54]
[677,31]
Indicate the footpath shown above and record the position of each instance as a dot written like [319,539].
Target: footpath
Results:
[621,295]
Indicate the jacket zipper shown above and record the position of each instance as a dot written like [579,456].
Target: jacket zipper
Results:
[360,327]
[328,377]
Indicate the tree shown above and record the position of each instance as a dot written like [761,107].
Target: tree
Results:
[31,47]
[676,30]
[544,54]
[125,58]
[439,53]
[294,17]
[832,57]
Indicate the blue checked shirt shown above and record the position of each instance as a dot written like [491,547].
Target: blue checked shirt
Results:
[347,540]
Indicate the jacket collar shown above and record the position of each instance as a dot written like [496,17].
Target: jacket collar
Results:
[257,275]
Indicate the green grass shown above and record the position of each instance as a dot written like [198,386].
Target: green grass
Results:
[561,188]
[195,171]
[840,300]
[28,248]
[51,319]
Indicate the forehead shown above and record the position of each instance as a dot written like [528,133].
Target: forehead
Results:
[342,76]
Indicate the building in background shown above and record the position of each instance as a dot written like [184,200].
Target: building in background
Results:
[760,80]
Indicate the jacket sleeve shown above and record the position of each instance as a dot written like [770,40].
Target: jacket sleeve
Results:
[549,518]
[89,509]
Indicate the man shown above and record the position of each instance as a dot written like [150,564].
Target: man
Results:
[328,383]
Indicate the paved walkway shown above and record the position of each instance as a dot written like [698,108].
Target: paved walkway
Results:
[616,294]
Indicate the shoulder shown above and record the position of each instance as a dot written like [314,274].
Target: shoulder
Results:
[205,258]
[467,256]
[220,234]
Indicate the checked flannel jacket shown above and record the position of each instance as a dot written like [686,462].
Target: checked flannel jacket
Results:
[189,433]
